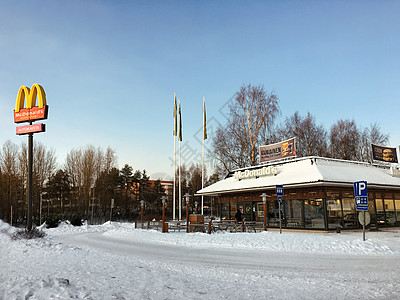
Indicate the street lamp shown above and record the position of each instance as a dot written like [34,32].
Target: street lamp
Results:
[195,206]
[141,211]
[187,196]
[41,204]
[264,199]
[164,203]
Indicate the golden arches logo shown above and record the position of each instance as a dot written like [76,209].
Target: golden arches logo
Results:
[30,95]
[31,112]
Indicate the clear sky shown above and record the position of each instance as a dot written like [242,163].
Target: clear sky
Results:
[110,68]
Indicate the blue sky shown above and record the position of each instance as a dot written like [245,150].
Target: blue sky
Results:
[110,68]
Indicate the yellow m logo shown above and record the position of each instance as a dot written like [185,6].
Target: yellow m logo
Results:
[30,95]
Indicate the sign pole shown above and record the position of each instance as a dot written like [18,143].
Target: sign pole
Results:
[30,177]
[279,193]
[280,218]
[363,225]
[29,114]
[361,200]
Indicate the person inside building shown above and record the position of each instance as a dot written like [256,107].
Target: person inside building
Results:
[238,216]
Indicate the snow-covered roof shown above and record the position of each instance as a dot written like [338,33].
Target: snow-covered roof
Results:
[306,171]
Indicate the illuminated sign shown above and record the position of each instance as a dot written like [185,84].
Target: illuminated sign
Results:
[31,129]
[255,173]
[31,112]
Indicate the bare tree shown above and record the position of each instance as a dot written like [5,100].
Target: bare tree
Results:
[310,137]
[251,115]
[344,139]
[10,185]
[371,135]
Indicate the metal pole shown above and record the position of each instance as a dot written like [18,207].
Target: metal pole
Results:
[111,207]
[30,172]
[93,204]
[40,214]
[363,225]
[280,219]
[265,216]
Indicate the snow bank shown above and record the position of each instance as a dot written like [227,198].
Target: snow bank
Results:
[345,243]
[51,268]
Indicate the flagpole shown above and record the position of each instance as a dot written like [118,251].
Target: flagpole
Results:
[180,139]
[174,190]
[180,186]
[202,165]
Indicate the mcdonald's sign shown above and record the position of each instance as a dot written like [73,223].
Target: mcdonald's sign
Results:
[31,112]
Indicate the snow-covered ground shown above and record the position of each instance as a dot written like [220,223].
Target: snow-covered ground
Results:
[115,261]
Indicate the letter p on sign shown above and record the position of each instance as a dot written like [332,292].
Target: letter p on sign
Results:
[360,188]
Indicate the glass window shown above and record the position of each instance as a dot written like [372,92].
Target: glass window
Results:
[260,212]
[224,211]
[350,218]
[294,213]
[371,210]
[397,204]
[390,213]
[273,213]
[334,211]
[380,212]
[314,213]
[233,210]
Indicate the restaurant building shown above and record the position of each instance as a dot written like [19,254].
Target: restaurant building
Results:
[318,193]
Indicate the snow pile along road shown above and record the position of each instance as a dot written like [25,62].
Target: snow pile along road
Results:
[115,261]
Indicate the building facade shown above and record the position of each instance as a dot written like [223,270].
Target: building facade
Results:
[318,193]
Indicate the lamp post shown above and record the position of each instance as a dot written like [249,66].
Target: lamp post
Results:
[187,196]
[141,211]
[264,200]
[111,207]
[164,203]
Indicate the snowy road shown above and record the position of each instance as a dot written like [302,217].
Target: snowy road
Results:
[255,272]
[114,261]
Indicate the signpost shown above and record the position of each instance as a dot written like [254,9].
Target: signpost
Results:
[30,113]
[279,193]
[361,198]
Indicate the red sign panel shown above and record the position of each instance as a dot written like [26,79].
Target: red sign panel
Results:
[31,114]
[31,129]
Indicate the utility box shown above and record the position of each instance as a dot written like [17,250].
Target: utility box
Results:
[195,220]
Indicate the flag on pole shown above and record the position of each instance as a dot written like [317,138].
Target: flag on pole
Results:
[204,121]
[175,117]
[180,122]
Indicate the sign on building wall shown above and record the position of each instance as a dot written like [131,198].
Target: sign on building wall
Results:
[384,153]
[278,150]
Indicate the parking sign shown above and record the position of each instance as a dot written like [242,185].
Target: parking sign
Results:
[279,190]
[361,195]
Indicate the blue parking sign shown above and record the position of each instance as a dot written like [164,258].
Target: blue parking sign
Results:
[361,195]
[279,190]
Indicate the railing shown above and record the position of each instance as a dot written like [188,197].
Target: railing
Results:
[208,227]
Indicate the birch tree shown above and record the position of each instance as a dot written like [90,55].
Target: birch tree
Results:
[251,113]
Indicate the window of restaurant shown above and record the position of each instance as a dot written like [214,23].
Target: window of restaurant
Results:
[334,212]
[380,211]
[260,212]
[397,207]
[273,213]
[233,210]
[224,211]
[350,217]
[294,213]
[389,209]
[314,213]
